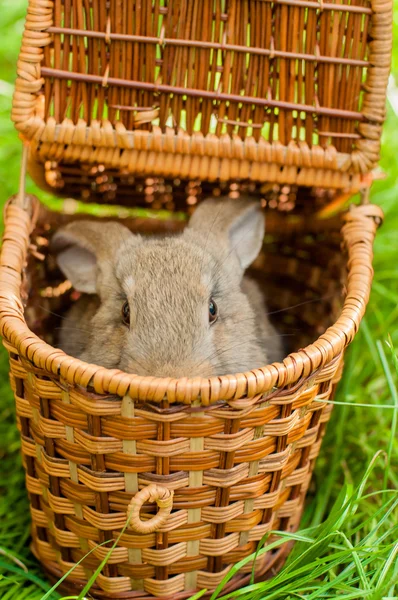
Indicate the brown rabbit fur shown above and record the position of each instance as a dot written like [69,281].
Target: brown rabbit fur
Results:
[168,284]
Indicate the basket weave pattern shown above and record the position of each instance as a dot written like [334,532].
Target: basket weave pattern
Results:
[226,459]
[161,103]
[291,91]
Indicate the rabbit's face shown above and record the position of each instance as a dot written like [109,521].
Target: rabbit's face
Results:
[183,307]
[173,307]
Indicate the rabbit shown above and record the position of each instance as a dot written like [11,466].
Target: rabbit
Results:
[178,306]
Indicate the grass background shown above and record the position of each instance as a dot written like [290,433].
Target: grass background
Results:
[348,548]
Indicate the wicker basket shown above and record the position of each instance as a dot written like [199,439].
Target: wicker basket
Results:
[156,104]
[288,92]
[226,459]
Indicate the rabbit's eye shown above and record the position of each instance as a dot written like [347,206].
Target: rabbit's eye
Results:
[213,311]
[126,313]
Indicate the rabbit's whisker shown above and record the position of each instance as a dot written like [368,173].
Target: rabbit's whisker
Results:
[242,342]
[313,300]
[136,361]
[50,312]
[219,352]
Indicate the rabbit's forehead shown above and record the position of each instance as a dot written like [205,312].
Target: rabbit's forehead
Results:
[169,261]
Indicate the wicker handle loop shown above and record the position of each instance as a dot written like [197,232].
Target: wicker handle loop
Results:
[152,493]
[359,213]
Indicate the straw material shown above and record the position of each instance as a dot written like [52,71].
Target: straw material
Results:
[291,91]
[204,467]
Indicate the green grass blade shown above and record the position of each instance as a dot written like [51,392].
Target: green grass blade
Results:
[394,395]
[46,596]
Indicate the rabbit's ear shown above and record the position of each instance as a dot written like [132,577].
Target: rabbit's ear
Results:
[83,248]
[240,222]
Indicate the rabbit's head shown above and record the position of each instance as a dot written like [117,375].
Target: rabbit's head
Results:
[171,307]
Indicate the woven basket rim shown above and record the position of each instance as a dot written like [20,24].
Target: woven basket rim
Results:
[221,154]
[358,231]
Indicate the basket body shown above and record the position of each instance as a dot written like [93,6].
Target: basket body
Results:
[227,459]
[286,92]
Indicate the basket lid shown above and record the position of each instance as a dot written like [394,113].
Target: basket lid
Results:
[288,92]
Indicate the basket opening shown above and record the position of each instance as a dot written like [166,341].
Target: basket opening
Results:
[299,272]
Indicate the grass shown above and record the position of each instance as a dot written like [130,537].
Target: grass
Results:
[347,546]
